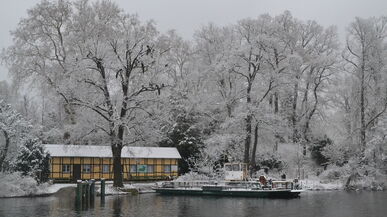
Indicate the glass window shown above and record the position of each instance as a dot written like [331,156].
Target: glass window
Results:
[228,167]
[105,168]
[235,167]
[66,168]
[174,168]
[150,168]
[133,168]
[86,168]
[167,168]
[142,168]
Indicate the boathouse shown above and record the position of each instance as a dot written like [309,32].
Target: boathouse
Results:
[73,162]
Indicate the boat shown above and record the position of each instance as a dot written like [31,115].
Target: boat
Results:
[236,184]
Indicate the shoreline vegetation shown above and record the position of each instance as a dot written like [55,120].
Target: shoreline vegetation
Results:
[280,94]
[15,186]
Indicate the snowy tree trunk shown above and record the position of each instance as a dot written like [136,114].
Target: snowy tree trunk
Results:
[254,152]
[248,126]
[3,153]
[362,104]
[294,112]
[117,167]
[276,102]
[309,113]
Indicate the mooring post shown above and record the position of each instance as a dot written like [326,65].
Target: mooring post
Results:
[102,189]
[92,192]
[102,192]
[83,190]
[84,194]
[87,193]
[79,193]
[92,189]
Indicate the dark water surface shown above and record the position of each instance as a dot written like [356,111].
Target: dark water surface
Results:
[311,204]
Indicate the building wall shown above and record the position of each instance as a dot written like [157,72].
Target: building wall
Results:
[133,169]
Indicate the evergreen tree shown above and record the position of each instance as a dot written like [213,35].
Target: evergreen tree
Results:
[186,138]
[33,160]
[316,150]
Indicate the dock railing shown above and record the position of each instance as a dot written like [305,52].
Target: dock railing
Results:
[188,184]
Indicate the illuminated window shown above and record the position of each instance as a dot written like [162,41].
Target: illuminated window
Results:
[66,168]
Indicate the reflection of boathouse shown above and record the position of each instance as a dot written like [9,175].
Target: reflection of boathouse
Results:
[73,162]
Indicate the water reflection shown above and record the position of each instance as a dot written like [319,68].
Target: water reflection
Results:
[117,204]
[325,204]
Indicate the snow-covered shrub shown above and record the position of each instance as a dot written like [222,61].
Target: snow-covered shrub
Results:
[270,160]
[334,172]
[317,148]
[375,153]
[14,129]
[186,137]
[32,160]
[16,184]
[338,153]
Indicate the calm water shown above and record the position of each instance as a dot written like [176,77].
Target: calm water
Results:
[311,204]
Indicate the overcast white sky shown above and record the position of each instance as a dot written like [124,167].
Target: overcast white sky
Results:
[188,15]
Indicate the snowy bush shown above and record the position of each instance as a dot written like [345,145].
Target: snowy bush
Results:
[14,129]
[271,161]
[317,148]
[334,173]
[337,153]
[186,137]
[32,160]
[15,184]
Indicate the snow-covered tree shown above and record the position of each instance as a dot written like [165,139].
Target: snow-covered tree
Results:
[366,63]
[14,129]
[94,56]
[32,160]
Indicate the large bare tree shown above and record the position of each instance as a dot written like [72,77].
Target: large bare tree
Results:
[94,56]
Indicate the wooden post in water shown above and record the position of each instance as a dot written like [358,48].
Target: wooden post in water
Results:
[102,188]
[78,196]
[92,188]
[87,193]
[102,192]
[92,192]
[84,194]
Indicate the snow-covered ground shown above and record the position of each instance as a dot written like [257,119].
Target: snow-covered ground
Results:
[311,184]
[15,185]
[132,188]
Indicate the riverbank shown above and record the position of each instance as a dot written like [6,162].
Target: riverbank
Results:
[15,185]
[133,188]
[311,203]
[357,184]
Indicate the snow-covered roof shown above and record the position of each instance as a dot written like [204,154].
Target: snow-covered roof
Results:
[56,150]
